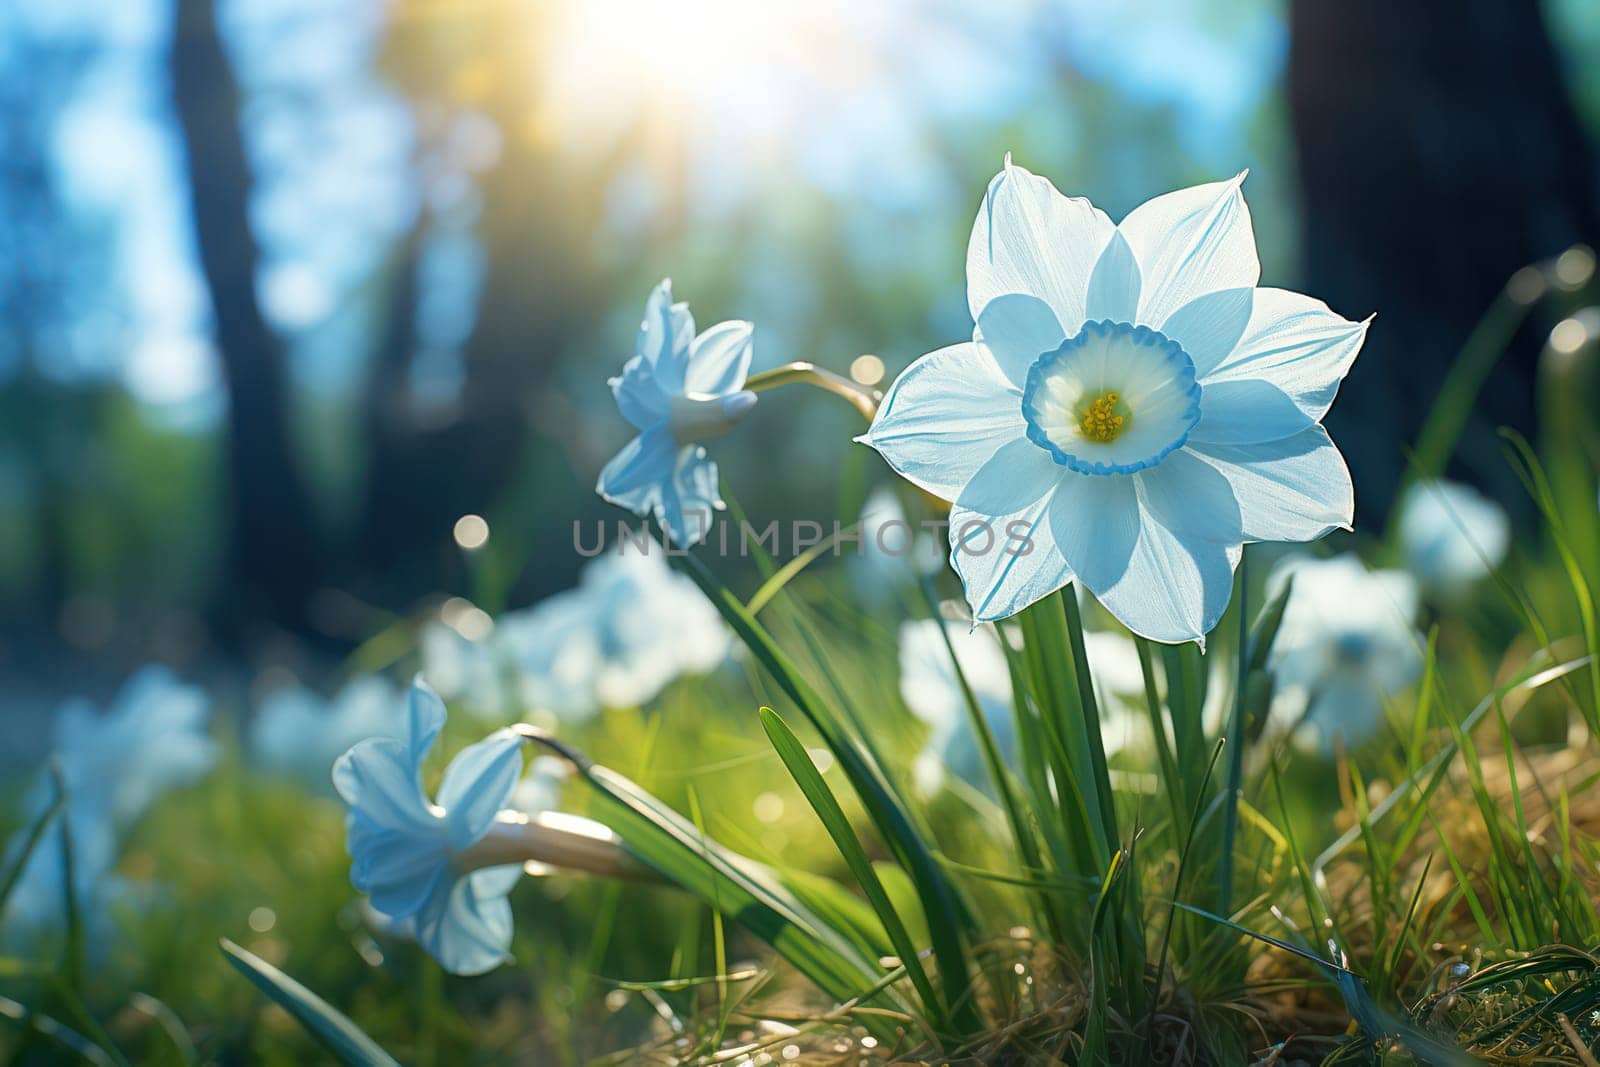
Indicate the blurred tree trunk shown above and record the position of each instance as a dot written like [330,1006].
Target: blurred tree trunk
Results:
[536,227]
[272,559]
[1439,152]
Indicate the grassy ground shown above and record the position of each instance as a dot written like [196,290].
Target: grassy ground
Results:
[1427,897]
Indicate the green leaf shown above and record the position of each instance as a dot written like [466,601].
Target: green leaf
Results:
[35,835]
[948,919]
[822,801]
[336,1032]
[735,885]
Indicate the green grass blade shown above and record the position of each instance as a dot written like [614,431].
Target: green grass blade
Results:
[1458,393]
[822,801]
[1235,741]
[739,887]
[35,835]
[948,919]
[1021,832]
[337,1033]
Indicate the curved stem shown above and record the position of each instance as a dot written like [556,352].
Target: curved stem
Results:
[555,839]
[863,398]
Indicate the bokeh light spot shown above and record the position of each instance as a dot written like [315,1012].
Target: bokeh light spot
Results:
[1568,336]
[867,369]
[471,532]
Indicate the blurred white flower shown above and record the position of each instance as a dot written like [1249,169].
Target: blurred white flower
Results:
[893,553]
[1119,685]
[930,688]
[113,766]
[462,668]
[153,739]
[1452,534]
[299,733]
[630,627]
[1347,644]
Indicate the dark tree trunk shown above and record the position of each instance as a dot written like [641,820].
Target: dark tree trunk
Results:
[423,474]
[273,562]
[1439,152]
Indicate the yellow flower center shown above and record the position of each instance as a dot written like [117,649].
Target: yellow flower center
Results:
[1104,418]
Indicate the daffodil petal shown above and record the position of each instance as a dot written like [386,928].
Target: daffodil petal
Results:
[1294,489]
[1247,411]
[1191,498]
[665,336]
[477,784]
[1000,541]
[634,477]
[399,875]
[1209,327]
[1295,343]
[1017,329]
[638,394]
[1023,566]
[466,932]
[1189,243]
[378,777]
[425,715]
[1094,520]
[691,498]
[1174,588]
[944,417]
[1029,238]
[1114,285]
[720,359]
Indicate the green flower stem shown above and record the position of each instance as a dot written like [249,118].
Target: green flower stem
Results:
[863,398]
[1235,743]
[1091,717]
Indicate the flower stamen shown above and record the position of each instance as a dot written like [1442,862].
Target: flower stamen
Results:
[1104,418]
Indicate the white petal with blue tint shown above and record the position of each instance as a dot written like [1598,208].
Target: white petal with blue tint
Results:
[1294,489]
[1209,327]
[635,476]
[1000,539]
[1095,523]
[1017,329]
[477,784]
[1295,343]
[378,776]
[719,359]
[1114,285]
[1021,566]
[1190,243]
[467,931]
[692,498]
[1247,411]
[944,417]
[1174,588]
[665,335]
[1191,499]
[1028,238]
[638,394]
